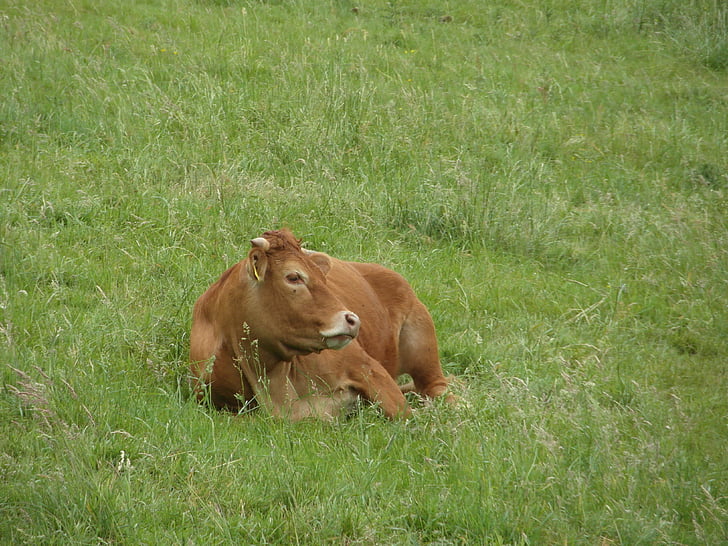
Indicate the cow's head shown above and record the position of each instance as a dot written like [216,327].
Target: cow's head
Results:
[295,312]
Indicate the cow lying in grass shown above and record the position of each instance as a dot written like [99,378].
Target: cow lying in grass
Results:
[305,335]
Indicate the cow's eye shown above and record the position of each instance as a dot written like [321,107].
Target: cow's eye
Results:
[294,278]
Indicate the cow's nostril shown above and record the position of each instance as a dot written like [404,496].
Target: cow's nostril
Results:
[352,319]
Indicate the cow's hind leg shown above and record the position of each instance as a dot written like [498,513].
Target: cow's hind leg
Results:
[418,354]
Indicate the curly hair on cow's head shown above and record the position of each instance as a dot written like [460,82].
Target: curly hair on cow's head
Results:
[282,238]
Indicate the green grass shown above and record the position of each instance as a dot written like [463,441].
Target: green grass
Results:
[551,177]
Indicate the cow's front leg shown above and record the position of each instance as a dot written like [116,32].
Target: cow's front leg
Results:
[327,406]
[288,394]
[336,378]
[357,370]
[376,385]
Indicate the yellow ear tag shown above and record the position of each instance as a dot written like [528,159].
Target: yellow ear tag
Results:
[255,272]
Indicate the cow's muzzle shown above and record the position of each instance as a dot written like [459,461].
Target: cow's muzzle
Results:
[345,330]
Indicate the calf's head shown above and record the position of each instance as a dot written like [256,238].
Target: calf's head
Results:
[290,309]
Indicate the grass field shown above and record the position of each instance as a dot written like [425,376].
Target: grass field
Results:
[551,176]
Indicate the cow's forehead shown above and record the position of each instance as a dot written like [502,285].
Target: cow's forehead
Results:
[293,261]
[282,240]
[287,255]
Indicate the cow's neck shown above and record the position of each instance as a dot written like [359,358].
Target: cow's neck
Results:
[255,354]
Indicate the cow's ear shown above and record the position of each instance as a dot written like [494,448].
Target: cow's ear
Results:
[321,260]
[258,259]
[257,264]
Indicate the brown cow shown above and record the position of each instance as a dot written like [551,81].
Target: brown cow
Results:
[305,334]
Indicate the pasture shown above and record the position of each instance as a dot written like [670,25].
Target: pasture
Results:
[551,177]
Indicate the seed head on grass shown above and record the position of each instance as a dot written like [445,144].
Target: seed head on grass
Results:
[35,397]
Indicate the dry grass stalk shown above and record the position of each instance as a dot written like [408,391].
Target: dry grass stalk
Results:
[36,397]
